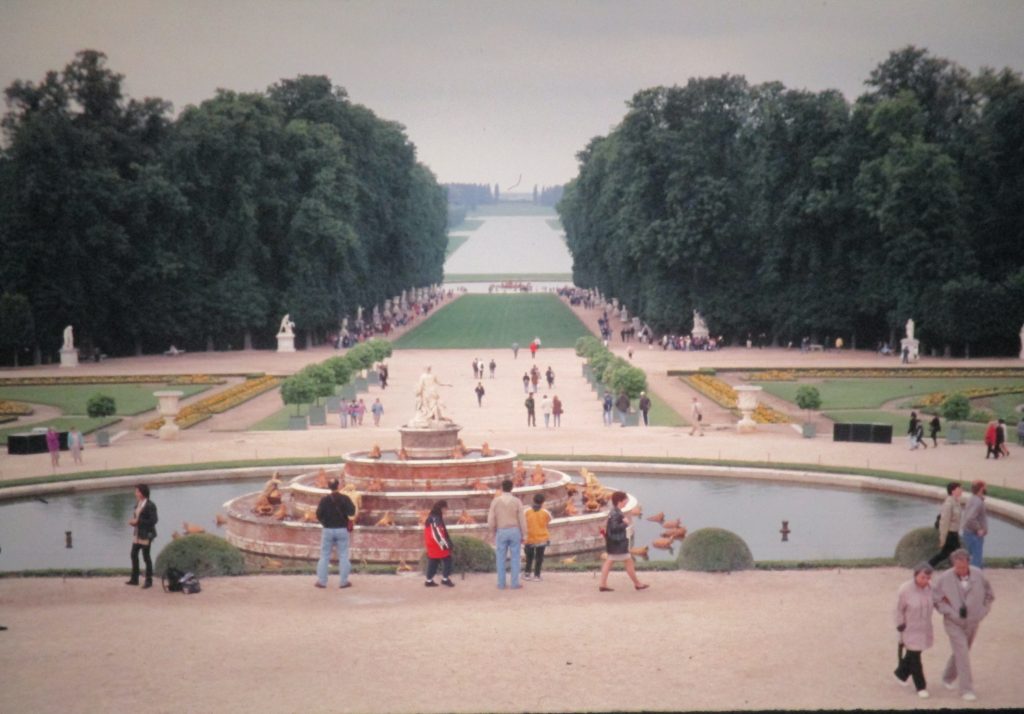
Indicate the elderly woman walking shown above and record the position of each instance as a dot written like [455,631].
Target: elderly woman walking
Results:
[913,616]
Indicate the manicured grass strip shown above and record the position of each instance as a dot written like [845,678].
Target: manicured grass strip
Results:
[1012,495]
[512,208]
[662,414]
[84,424]
[72,398]
[496,321]
[502,277]
[278,421]
[172,468]
[454,243]
[870,393]
[899,422]
[466,226]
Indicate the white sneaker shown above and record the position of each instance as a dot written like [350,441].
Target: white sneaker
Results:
[948,685]
[969,696]
[901,682]
[923,693]
[526,576]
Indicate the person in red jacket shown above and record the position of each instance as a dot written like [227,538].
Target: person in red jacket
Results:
[439,546]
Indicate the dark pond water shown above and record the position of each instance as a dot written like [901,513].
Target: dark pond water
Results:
[825,523]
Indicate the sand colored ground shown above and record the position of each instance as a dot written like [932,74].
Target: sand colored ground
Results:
[748,640]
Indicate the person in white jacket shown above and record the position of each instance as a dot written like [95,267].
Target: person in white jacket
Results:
[913,616]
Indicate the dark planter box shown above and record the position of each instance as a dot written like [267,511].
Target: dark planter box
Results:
[317,415]
[297,423]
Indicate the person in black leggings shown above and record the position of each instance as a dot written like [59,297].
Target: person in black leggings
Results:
[949,523]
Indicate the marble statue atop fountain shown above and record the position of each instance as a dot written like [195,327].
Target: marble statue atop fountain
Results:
[68,353]
[910,347]
[700,328]
[429,407]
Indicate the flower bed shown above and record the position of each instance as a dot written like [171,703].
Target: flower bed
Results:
[789,375]
[724,395]
[14,409]
[936,399]
[113,379]
[219,402]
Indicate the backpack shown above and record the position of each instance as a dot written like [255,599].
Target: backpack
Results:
[176,581]
[189,584]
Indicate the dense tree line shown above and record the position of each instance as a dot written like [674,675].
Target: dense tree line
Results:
[142,230]
[790,213]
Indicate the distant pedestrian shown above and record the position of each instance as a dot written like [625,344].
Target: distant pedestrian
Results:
[1020,432]
[383,375]
[515,350]
[990,441]
[53,445]
[545,410]
[914,623]
[526,383]
[550,374]
[143,523]
[935,426]
[975,523]
[537,536]
[556,411]
[531,415]
[606,406]
[439,546]
[964,597]
[479,394]
[696,417]
[949,523]
[622,406]
[534,346]
[915,432]
[75,444]
[378,410]
[335,513]
[644,405]
[492,366]
[1001,447]
[360,411]
[343,415]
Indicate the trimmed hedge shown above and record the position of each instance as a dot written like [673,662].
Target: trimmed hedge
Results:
[469,555]
[714,550]
[917,545]
[202,554]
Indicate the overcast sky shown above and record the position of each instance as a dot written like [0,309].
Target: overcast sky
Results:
[489,91]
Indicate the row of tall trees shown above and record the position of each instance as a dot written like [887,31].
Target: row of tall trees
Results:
[141,230]
[792,213]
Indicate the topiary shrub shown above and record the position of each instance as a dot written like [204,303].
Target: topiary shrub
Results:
[917,545]
[469,555]
[100,405]
[202,554]
[714,550]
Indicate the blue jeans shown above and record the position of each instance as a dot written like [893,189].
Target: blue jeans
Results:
[506,547]
[974,544]
[333,537]
[607,417]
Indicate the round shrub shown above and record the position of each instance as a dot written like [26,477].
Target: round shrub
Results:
[587,345]
[100,405]
[628,379]
[956,407]
[202,554]
[917,545]
[714,550]
[469,555]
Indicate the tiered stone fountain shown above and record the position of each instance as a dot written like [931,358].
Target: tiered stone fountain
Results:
[394,490]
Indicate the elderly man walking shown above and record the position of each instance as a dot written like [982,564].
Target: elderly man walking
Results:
[963,596]
[507,523]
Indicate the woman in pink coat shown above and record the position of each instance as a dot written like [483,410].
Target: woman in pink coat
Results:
[913,617]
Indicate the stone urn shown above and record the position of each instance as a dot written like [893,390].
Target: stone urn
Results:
[746,401]
[168,407]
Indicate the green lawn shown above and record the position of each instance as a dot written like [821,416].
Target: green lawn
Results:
[454,243]
[278,421]
[501,277]
[512,208]
[467,225]
[870,393]
[662,414]
[899,422]
[85,424]
[71,399]
[496,321]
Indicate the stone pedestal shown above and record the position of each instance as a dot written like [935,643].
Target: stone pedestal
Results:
[913,347]
[168,408]
[69,358]
[747,403]
[286,343]
[434,442]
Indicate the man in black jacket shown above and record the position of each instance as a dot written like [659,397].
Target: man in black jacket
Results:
[144,525]
[334,513]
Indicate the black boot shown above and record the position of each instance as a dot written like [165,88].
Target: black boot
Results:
[133,581]
[148,583]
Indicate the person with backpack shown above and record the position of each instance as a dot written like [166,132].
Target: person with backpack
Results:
[336,514]
[439,546]
[948,523]
[143,523]
[616,539]
[606,405]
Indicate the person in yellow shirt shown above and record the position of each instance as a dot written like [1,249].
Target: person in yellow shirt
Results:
[537,537]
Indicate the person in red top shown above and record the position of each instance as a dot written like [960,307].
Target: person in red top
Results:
[533,349]
[439,546]
[990,441]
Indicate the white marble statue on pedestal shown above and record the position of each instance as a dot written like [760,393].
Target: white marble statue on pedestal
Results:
[700,327]
[69,338]
[910,347]
[429,407]
[286,335]
[287,326]
[910,329]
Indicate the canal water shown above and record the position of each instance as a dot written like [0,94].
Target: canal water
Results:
[824,522]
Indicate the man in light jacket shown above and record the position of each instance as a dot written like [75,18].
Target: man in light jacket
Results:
[507,523]
[964,597]
[975,523]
